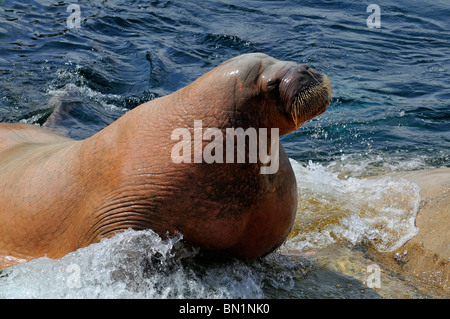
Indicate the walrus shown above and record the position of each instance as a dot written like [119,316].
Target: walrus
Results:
[58,194]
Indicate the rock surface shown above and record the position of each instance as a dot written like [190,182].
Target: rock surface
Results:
[425,259]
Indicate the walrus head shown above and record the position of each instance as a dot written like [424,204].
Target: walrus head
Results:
[305,93]
[285,94]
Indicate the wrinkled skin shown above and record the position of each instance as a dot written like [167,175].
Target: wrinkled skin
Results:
[57,194]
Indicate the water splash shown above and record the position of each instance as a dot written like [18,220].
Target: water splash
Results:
[139,264]
[380,211]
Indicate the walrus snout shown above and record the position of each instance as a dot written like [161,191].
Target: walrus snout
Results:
[305,92]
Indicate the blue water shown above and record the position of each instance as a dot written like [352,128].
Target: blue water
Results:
[391,85]
[391,101]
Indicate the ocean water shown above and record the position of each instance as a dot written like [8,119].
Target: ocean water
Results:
[390,112]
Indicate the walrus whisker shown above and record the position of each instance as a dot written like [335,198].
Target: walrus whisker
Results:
[310,101]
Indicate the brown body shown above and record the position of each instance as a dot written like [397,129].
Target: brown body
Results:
[57,194]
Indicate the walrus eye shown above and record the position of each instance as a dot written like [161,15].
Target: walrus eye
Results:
[273,85]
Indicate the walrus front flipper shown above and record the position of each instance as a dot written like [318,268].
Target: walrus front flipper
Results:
[63,104]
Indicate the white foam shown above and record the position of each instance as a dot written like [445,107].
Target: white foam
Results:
[139,264]
[357,165]
[380,211]
[89,94]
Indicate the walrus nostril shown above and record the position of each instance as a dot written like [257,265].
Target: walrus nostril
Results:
[309,74]
[304,66]
[316,76]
